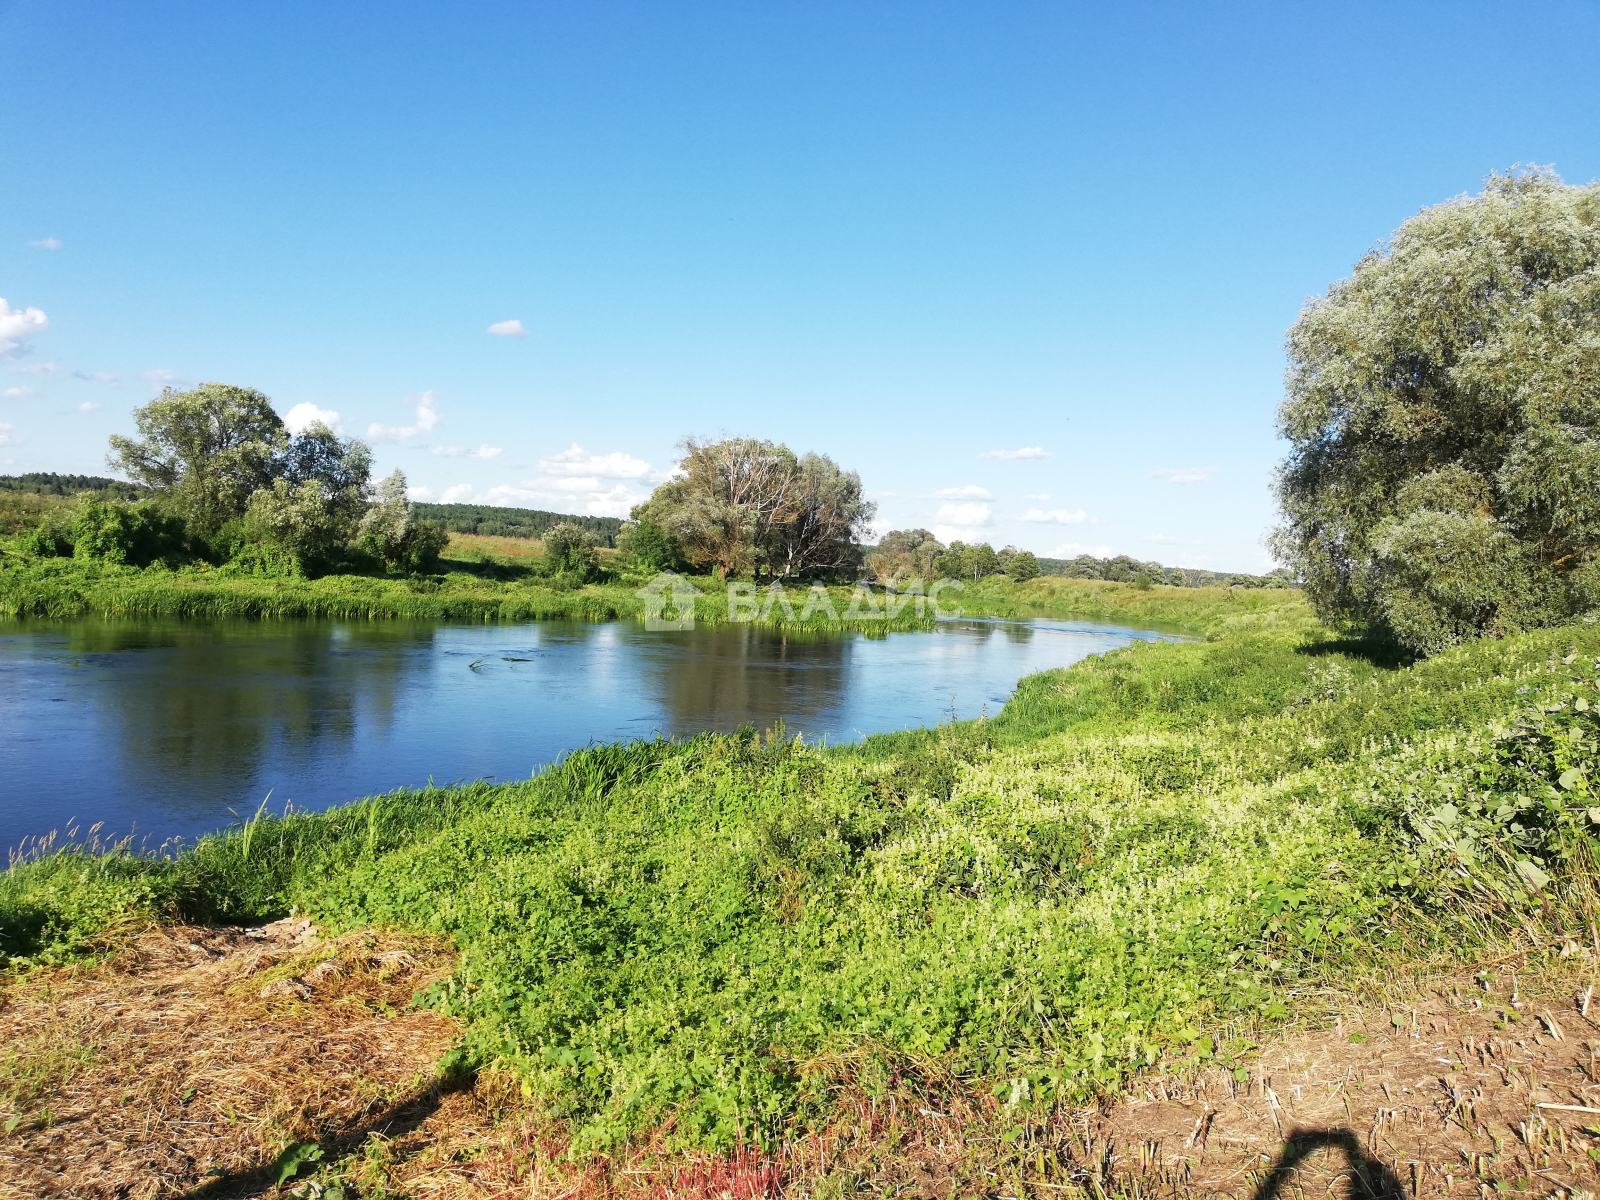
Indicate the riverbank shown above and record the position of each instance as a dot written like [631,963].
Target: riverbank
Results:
[1146,859]
[61,589]
[490,589]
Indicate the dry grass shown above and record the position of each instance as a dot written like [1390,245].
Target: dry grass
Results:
[196,1055]
[465,545]
[468,546]
[186,1063]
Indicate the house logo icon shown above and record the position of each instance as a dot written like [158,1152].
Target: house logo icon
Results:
[668,602]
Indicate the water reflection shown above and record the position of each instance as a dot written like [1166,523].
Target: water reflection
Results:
[164,727]
[721,679]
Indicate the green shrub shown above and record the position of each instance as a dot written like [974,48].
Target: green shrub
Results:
[126,534]
[44,541]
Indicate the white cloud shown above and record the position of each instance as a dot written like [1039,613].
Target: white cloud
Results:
[1025,452]
[558,495]
[104,377]
[601,485]
[1056,516]
[18,393]
[17,325]
[8,435]
[48,243]
[419,491]
[48,368]
[1037,496]
[428,419]
[161,375]
[97,377]
[306,414]
[1184,474]
[88,407]
[508,329]
[968,516]
[1073,549]
[576,461]
[971,492]
[959,533]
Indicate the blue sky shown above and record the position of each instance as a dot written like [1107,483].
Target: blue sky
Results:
[908,236]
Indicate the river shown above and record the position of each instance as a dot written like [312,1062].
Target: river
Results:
[167,729]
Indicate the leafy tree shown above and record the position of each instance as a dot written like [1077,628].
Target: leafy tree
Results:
[651,547]
[304,521]
[904,554]
[1023,566]
[952,564]
[823,517]
[1443,411]
[570,550]
[962,561]
[391,531]
[982,561]
[340,467]
[743,506]
[208,449]
[722,506]
[313,507]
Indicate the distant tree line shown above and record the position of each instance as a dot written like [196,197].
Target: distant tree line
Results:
[916,553]
[515,522]
[1124,569]
[47,483]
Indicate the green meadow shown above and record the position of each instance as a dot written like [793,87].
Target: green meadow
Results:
[1152,855]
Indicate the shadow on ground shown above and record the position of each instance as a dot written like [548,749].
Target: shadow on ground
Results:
[1369,1178]
[405,1116]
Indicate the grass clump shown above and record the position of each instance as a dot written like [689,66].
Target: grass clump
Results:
[1138,851]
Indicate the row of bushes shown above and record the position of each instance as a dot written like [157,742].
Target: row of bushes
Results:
[146,533]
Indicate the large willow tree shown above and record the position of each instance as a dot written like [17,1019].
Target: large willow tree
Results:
[741,506]
[1443,410]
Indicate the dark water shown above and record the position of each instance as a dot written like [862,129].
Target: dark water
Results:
[163,727]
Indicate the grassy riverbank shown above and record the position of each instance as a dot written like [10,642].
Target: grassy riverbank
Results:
[1149,854]
[58,589]
[484,585]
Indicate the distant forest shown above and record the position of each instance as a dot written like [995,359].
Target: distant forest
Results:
[1124,569]
[513,522]
[46,483]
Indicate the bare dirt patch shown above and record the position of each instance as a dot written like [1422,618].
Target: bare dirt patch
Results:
[1473,1085]
[192,1058]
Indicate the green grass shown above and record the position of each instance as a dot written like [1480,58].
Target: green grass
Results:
[57,588]
[1144,849]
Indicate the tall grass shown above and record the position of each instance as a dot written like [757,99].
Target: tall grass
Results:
[1140,849]
[65,588]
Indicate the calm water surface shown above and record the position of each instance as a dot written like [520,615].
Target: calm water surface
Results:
[163,727]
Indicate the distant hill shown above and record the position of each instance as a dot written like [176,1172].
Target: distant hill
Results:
[46,483]
[513,522]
